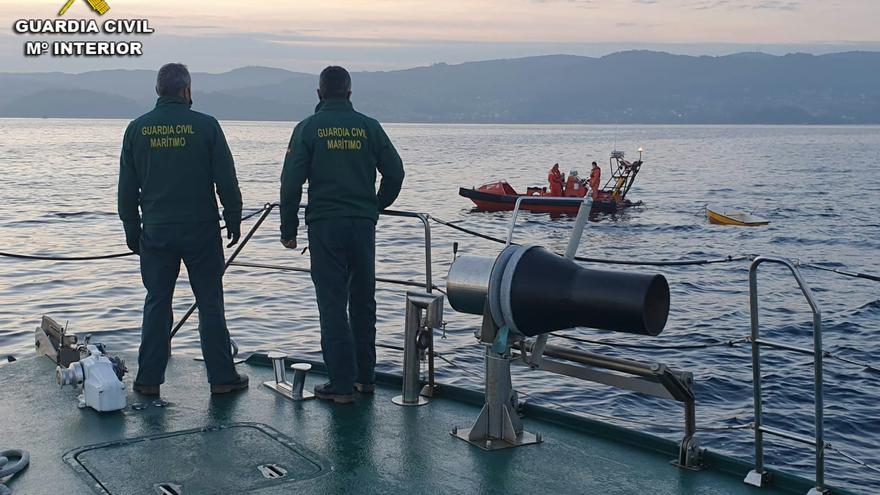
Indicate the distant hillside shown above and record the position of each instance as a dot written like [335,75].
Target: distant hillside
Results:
[627,87]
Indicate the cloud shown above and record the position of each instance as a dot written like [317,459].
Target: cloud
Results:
[709,4]
[630,25]
[783,5]
[577,3]
[776,5]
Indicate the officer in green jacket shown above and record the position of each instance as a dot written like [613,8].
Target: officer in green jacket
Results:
[338,151]
[172,159]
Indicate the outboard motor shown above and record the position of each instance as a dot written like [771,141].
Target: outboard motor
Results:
[529,291]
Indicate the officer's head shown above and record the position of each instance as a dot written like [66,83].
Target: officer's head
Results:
[335,82]
[174,80]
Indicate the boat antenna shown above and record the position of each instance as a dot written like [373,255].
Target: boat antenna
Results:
[614,141]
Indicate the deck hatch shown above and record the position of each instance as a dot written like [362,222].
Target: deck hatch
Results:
[236,458]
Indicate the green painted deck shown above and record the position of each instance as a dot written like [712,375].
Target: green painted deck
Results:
[372,446]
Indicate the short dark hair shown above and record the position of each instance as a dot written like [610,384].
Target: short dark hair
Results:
[335,82]
[172,79]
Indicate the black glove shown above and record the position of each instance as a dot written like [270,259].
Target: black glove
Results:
[133,236]
[233,227]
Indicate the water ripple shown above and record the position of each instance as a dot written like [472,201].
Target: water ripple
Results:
[268,310]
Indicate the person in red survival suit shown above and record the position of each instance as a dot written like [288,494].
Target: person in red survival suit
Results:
[574,188]
[595,177]
[557,179]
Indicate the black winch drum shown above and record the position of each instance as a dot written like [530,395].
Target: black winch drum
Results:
[533,291]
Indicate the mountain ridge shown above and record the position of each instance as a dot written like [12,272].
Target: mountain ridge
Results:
[631,87]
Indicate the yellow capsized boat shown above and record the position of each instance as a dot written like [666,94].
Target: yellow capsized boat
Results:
[740,218]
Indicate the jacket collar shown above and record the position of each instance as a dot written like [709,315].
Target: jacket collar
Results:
[334,104]
[172,100]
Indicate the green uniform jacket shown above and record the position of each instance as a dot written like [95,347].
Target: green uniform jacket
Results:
[338,150]
[172,158]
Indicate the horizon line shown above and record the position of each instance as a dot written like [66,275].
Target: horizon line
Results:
[502,59]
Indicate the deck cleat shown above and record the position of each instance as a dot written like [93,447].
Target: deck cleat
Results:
[293,391]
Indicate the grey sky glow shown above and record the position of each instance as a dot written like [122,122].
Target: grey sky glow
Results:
[217,35]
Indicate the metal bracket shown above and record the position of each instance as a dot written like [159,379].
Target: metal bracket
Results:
[690,455]
[498,426]
[417,304]
[653,379]
[534,360]
[524,438]
[757,478]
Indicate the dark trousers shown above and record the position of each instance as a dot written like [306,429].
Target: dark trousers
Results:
[343,257]
[200,247]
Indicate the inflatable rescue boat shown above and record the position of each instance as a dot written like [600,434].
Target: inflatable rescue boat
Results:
[610,198]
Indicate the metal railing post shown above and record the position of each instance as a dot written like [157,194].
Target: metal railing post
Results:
[530,199]
[820,402]
[429,280]
[580,222]
[429,277]
[758,477]
[416,303]
[429,286]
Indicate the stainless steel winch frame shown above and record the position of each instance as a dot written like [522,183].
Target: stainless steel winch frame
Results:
[498,425]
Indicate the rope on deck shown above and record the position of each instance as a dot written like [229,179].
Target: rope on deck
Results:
[8,470]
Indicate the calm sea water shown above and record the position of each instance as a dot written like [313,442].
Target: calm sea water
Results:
[820,186]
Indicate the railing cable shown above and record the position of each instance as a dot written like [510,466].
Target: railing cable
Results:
[36,257]
[852,458]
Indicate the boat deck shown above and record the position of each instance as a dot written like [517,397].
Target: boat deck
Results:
[203,444]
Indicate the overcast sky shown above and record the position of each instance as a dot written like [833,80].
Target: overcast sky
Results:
[305,35]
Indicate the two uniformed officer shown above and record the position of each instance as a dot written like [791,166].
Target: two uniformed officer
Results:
[338,151]
[172,159]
